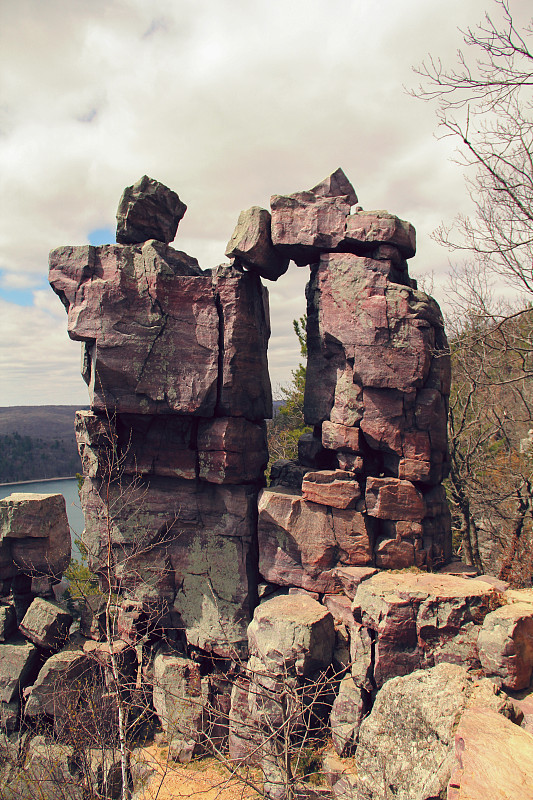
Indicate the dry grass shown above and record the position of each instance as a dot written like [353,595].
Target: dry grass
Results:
[204,779]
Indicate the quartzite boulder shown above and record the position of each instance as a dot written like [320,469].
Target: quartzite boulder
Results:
[19,661]
[493,758]
[231,450]
[505,645]
[421,619]
[148,210]
[46,624]
[181,697]
[292,633]
[34,534]
[242,302]
[55,688]
[251,243]
[335,488]
[347,714]
[301,543]
[406,743]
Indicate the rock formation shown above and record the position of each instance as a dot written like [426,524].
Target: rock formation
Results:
[243,615]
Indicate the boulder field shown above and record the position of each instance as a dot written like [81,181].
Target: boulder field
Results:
[248,619]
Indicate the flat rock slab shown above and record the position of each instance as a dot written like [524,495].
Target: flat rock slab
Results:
[46,624]
[335,488]
[505,645]
[421,619]
[494,759]
[292,632]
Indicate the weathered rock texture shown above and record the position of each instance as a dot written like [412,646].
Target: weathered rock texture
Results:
[34,536]
[173,450]
[378,378]
[174,446]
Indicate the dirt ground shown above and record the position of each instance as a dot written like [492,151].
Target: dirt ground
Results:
[204,779]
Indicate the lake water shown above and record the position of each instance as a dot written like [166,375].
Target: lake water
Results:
[68,487]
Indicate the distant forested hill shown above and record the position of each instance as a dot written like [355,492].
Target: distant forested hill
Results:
[37,442]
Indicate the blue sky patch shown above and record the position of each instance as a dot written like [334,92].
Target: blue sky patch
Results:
[21,297]
[101,236]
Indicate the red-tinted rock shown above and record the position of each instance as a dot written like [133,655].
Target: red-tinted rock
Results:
[340,608]
[394,554]
[391,334]
[346,716]
[494,758]
[505,645]
[340,437]
[148,210]
[336,185]
[300,543]
[331,488]
[150,323]
[251,244]
[34,535]
[351,577]
[292,632]
[231,450]
[245,320]
[305,224]
[364,228]
[420,619]
[390,498]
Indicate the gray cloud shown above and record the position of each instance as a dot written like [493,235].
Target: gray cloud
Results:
[227,103]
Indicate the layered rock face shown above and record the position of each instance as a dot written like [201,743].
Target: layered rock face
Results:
[378,378]
[174,446]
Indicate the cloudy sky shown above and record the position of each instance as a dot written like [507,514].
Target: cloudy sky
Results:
[225,101]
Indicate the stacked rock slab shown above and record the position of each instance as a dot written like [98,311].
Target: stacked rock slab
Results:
[378,379]
[174,445]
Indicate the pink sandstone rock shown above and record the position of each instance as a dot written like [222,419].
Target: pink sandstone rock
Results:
[505,645]
[341,437]
[292,633]
[251,244]
[305,224]
[231,450]
[148,210]
[336,185]
[34,535]
[351,577]
[245,326]
[334,488]
[189,541]
[301,543]
[494,758]
[148,308]
[391,498]
[340,607]
[380,228]
[414,615]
